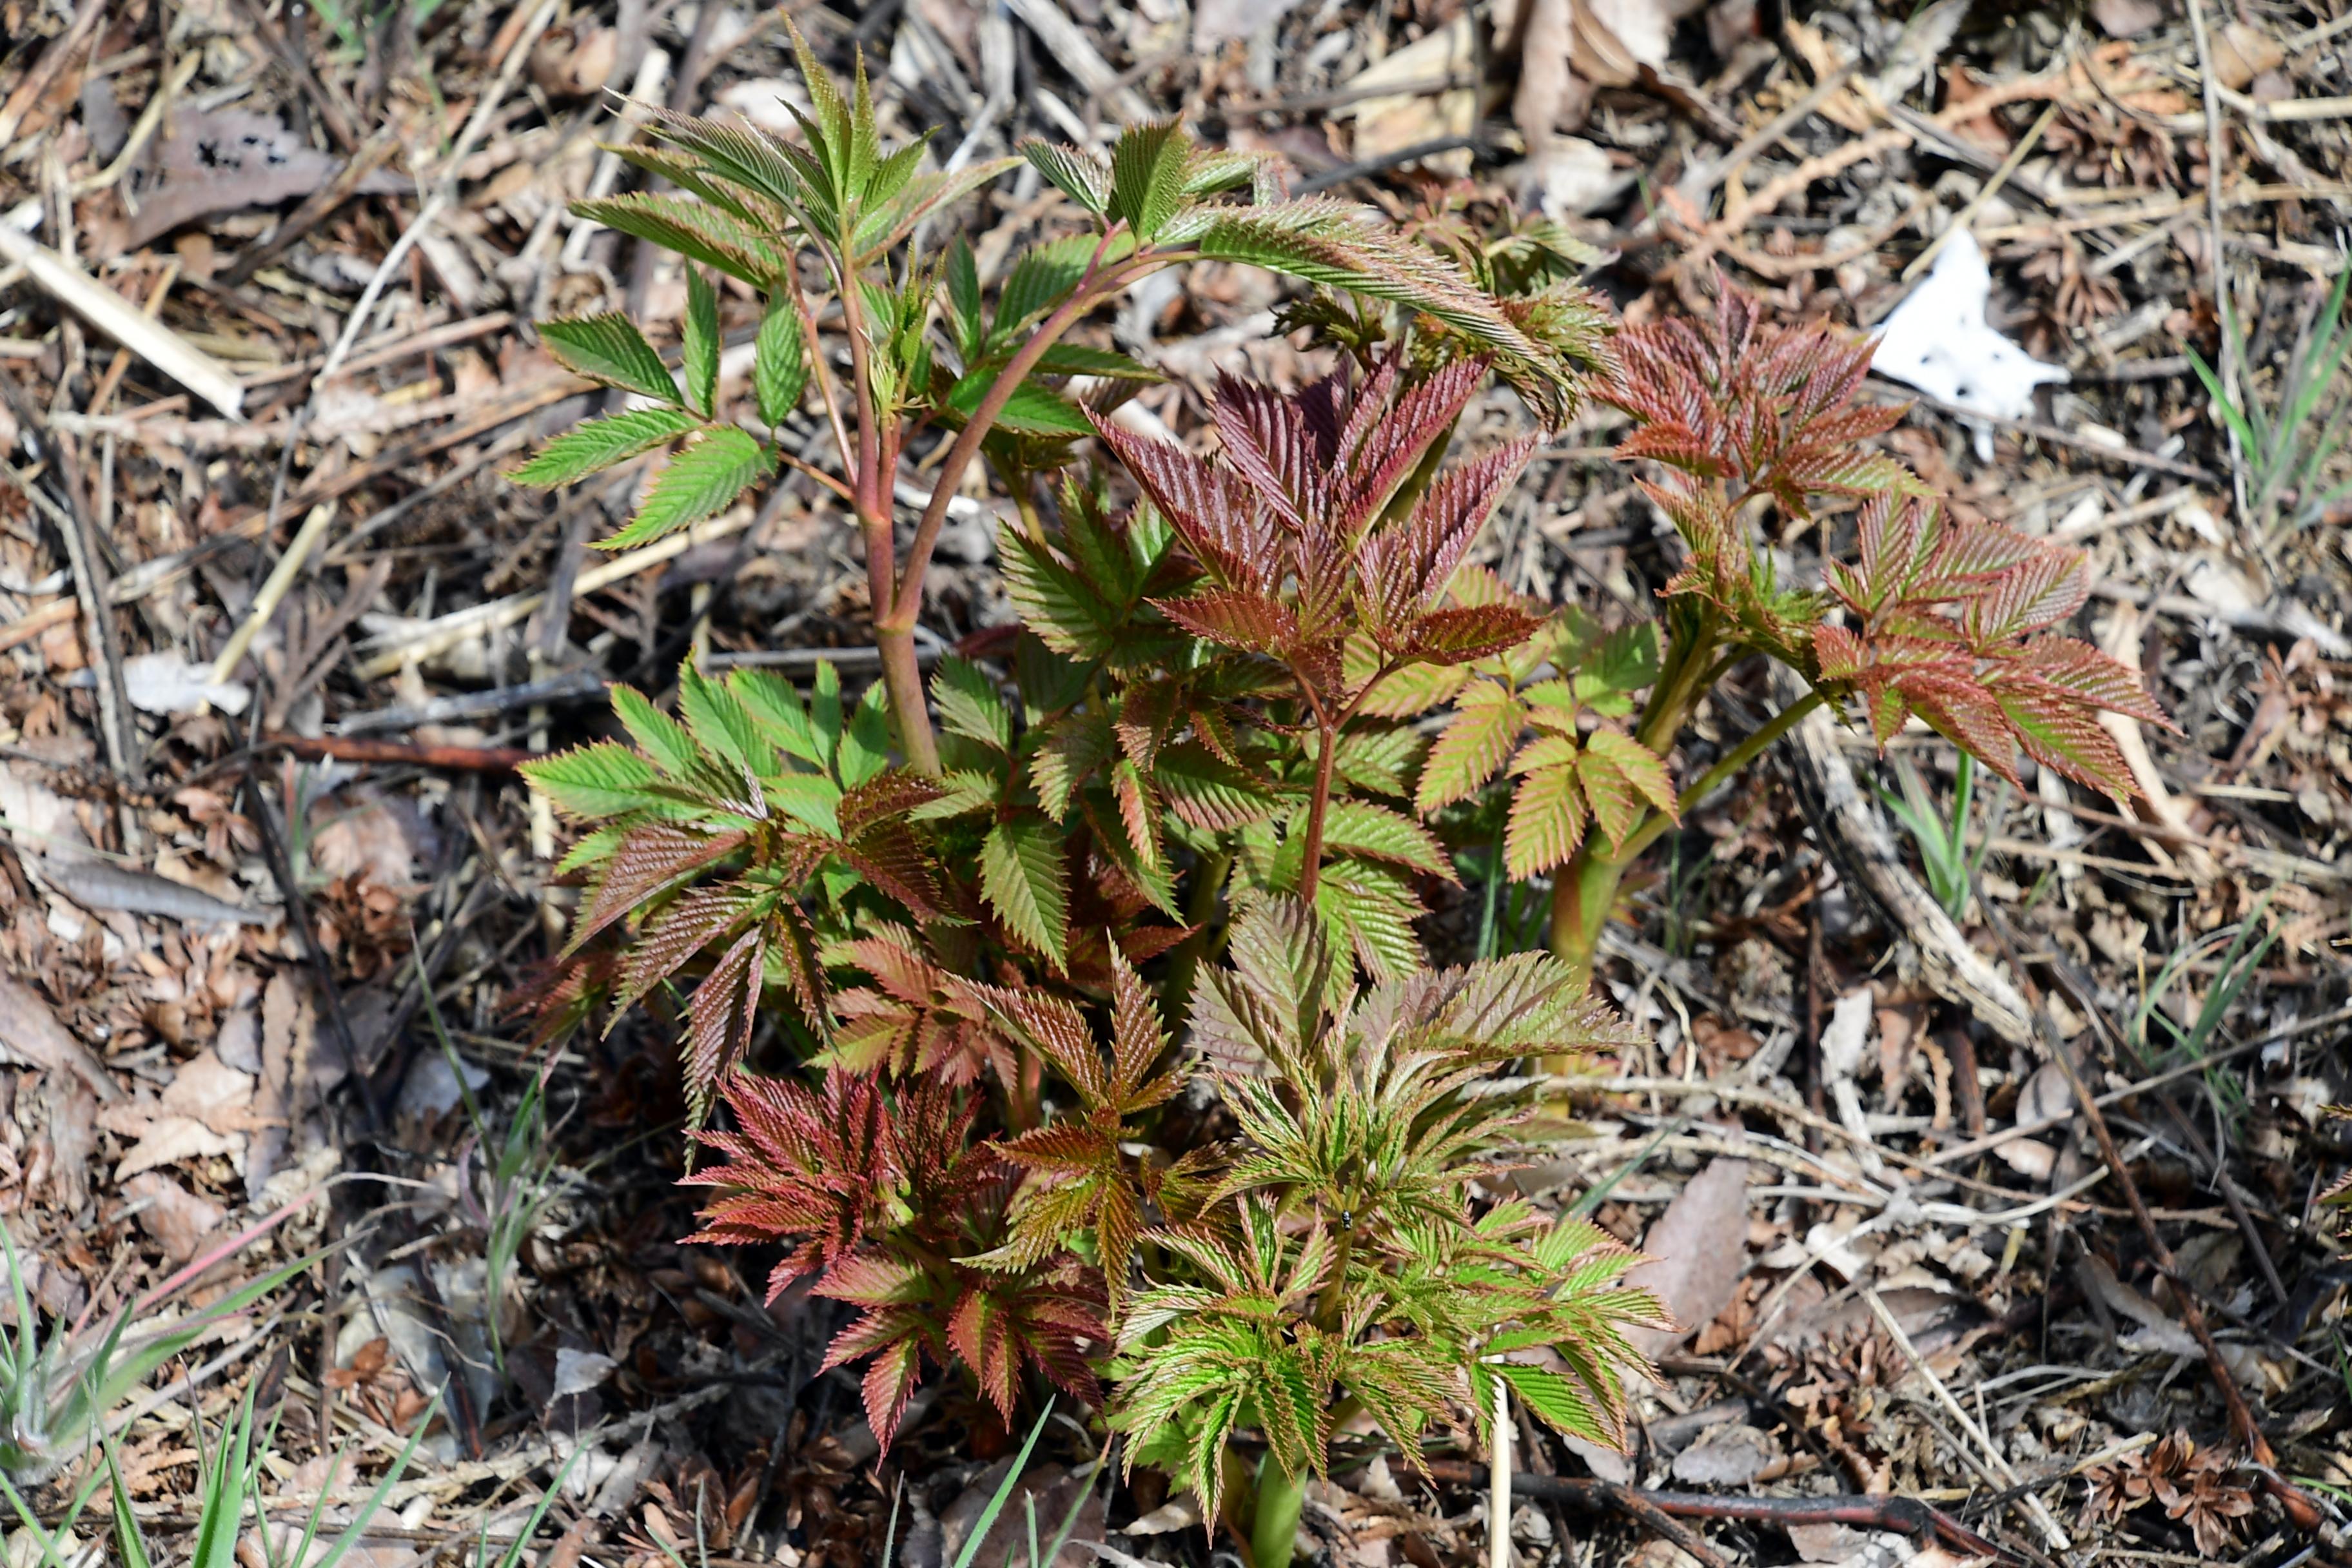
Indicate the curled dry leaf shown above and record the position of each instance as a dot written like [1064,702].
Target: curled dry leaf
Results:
[1730,1457]
[1388,121]
[2046,1094]
[160,1138]
[1570,46]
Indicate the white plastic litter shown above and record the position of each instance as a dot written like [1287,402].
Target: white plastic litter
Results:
[1938,340]
[167,683]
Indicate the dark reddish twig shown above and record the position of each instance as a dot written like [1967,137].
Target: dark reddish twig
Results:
[351,748]
[1661,1509]
[2306,1513]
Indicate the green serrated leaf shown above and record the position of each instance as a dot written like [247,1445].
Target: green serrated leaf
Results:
[963,278]
[723,726]
[1040,279]
[593,849]
[701,340]
[1624,660]
[1022,876]
[1472,747]
[775,706]
[1621,778]
[661,737]
[701,481]
[865,749]
[1375,833]
[968,703]
[1372,909]
[1561,1401]
[593,782]
[1077,359]
[1078,175]
[1070,749]
[811,799]
[610,349]
[779,364]
[1546,821]
[1065,613]
[962,792]
[697,230]
[600,443]
[1147,174]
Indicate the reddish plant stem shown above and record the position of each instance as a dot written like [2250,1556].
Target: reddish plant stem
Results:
[905,601]
[1310,863]
[1327,726]
[2301,1508]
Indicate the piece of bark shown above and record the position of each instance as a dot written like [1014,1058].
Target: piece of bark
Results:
[1854,831]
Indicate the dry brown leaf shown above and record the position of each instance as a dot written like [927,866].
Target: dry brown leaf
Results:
[2045,1094]
[31,1035]
[72,1112]
[1698,1249]
[365,839]
[217,161]
[174,1216]
[1731,1457]
[1215,21]
[2125,18]
[2241,52]
[160,1138]
[213,1092]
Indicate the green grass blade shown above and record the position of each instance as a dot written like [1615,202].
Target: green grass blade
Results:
[2316,367]
[357,1530]
[47,1536]
[1004,1489]
[130,1543]
[2229,412]
[521,1542]
[1078,1506]
[1596,1196]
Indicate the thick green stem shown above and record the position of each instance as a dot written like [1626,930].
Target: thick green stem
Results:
[1679,687]
[1280,1498]
[1584,891]
[902,681]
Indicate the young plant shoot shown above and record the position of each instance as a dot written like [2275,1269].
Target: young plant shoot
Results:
[1098,1049]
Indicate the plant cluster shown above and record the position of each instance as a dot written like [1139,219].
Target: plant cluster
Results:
[1102,1048]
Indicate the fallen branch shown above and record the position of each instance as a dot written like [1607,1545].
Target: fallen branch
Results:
[577,684]
[454,759]
[427,639]
[1855,833]
[123,321]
